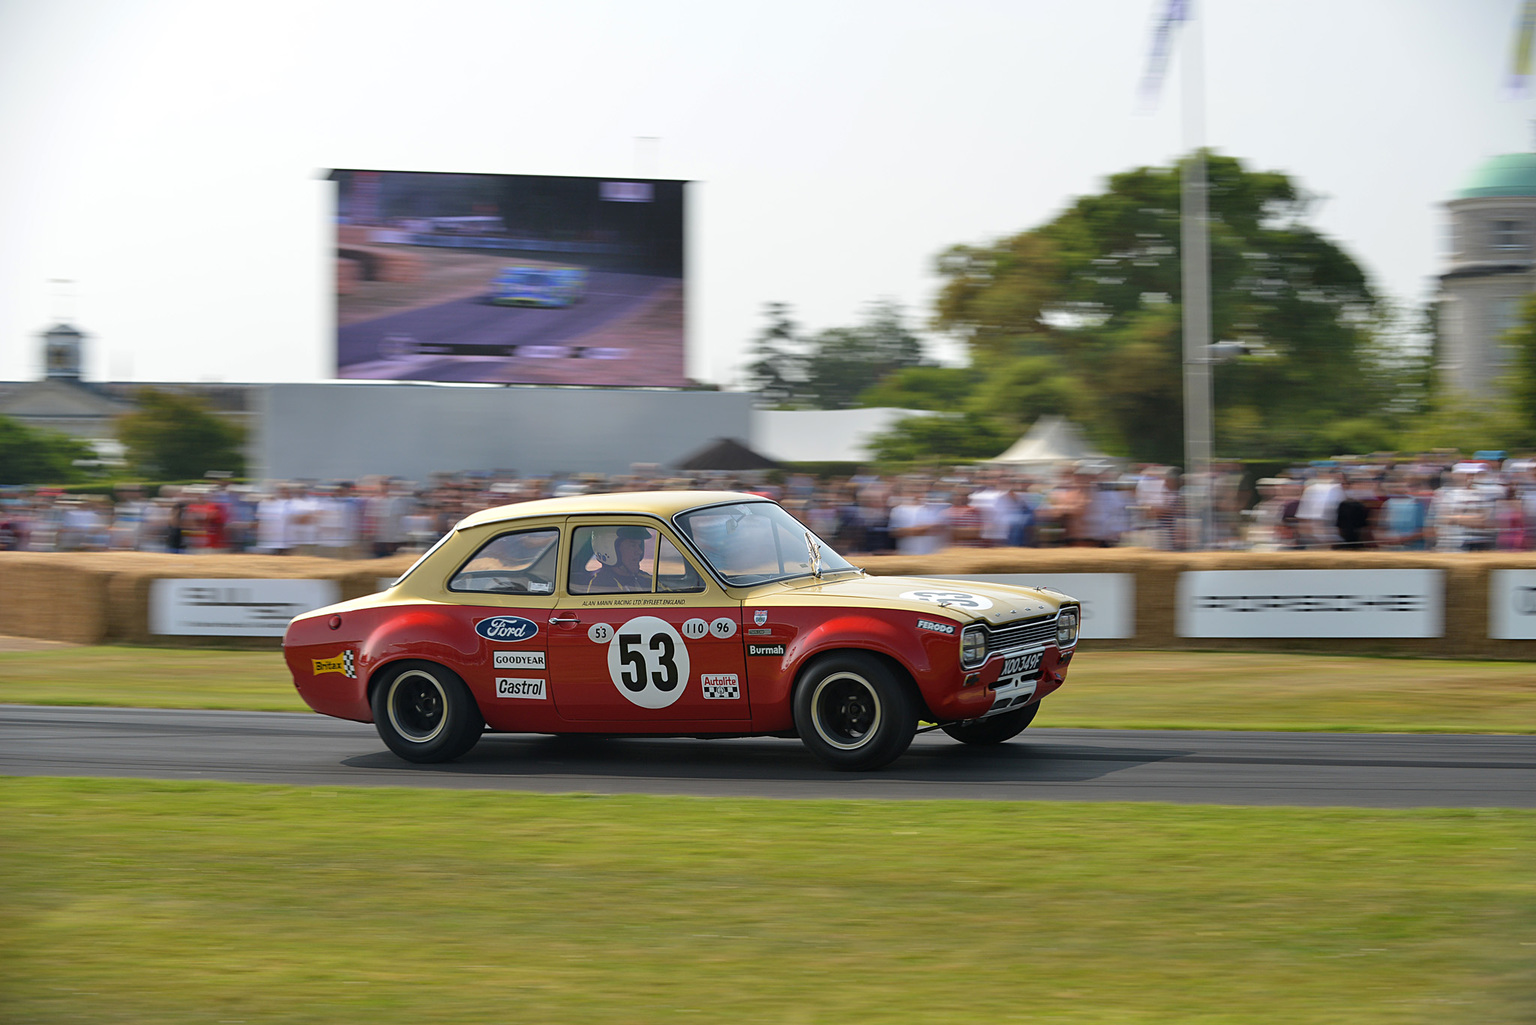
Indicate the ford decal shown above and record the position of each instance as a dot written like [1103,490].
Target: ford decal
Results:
[506,628]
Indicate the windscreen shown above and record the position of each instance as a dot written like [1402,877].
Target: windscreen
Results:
[755,542]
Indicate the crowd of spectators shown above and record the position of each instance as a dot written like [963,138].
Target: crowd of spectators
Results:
[1419,504]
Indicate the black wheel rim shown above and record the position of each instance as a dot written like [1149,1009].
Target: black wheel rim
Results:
[417,705]
[846,711]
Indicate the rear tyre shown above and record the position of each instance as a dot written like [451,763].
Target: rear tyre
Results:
[995,729]
[424,713]
[853,712]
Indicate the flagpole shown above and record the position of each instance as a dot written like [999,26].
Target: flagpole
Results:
[1196,302]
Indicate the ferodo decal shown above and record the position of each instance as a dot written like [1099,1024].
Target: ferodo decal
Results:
[519,660]
[720,686]
[648,662]
[519,687]
[935,626]
[342,664]
[723,628]
[507,628]
[958,599]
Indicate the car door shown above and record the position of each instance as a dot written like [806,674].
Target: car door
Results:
[507,592]
[639,634]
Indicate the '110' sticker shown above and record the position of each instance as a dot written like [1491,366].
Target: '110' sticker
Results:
[648,662]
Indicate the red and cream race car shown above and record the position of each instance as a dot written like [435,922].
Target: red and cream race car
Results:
[684,613]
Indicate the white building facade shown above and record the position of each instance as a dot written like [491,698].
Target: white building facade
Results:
[1492,268]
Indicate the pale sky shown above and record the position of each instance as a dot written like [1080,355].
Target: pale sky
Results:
[166,156]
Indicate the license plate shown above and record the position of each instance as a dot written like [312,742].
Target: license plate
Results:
[1014,665]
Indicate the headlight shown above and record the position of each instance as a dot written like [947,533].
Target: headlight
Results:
[973,646]
[1066,628]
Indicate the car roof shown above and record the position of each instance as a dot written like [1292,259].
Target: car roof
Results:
[664,504]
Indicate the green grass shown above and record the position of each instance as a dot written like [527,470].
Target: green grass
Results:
[1113,689]
[191,902]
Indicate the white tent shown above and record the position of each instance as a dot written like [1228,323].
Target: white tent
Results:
[1052,439]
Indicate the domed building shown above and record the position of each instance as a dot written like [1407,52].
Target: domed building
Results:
[1492,269]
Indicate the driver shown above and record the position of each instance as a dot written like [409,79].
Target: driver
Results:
[625,574]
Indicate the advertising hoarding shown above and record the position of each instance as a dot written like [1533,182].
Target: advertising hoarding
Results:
[1512,604]
[512,279]
[256,607]
[1312,603]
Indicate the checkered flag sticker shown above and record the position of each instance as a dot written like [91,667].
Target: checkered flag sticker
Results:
[348,666]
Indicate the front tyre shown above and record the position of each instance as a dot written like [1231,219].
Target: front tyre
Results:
[994,729]
[424,713]
[853,712]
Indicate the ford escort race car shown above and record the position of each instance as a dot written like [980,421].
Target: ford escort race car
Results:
[699,613]
[538,286]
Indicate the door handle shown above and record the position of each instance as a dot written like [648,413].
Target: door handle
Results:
[562,619]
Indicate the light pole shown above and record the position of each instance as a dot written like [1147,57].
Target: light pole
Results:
[1195,306]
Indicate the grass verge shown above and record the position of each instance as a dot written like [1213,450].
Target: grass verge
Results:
[190,902]
[1109,690]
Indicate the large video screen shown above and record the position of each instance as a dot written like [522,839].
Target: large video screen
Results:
[509,278]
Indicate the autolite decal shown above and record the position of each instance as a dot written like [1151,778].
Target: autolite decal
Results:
[720,686]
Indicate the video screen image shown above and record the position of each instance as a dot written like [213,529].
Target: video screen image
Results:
[507,278]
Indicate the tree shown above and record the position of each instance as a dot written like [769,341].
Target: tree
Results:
[940,439]
[942,388]
[176,437]
[775,372]
[831,369]
[29,456]
[1093,297]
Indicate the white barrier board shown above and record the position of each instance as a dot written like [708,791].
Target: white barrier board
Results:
[1512,604]
[1109,599]
[234,608]
[1312,603]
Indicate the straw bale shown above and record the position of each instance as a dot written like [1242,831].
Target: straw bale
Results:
[50,597]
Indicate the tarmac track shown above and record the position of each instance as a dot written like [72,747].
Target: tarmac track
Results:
[1235,768]
[475,322]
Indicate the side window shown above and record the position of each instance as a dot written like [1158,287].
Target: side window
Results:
[520,563]
[619,559]
[675,573]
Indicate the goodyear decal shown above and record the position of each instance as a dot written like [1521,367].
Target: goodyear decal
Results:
[342,664]
[519,660]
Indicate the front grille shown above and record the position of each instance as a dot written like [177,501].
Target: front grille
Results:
[1021,635]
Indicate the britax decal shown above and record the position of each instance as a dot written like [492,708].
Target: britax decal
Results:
[506,628]
[935,626]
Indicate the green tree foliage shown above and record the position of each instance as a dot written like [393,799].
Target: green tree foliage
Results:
[775,372]
[175,437]
[30,456]
[833,368]
[941,439]
[1092,300]
[943,388]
